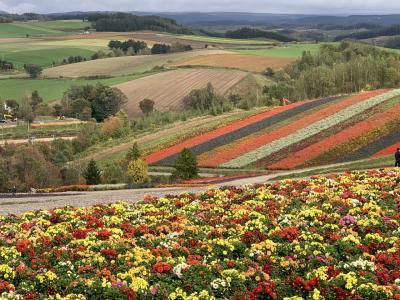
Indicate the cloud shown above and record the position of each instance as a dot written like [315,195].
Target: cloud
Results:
[273,6]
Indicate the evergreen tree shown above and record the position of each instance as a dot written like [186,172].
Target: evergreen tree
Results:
[186,167]
[133,153]
[92,173]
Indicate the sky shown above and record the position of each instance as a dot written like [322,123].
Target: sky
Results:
[268,6]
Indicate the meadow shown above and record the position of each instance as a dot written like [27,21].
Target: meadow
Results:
[284,51]
[217,40]
[19,29]
[52,89]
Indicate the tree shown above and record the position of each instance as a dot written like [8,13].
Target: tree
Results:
[100,100]
[34,71]
[186,167]
[146,106]
[138,171]
[92,173]
[25,111]
[133,153]
[35,100]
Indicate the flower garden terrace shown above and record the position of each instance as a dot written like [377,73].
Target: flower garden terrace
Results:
[330,237]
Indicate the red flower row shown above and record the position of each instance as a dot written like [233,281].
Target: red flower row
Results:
[314,150]
[253,142]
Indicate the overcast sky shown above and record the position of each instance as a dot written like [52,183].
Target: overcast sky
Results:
[272,6]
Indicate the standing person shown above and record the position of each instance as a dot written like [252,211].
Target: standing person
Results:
[14,190]
[397,157]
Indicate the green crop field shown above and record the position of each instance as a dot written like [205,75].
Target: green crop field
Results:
[44,53]
[286,51]
[208,39]
[63,25]
[16,30]
[51,89]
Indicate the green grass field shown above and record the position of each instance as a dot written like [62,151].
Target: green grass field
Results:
[63,25]
[44,53]
[16,30]
[51,89]
[208,39]
[286,51]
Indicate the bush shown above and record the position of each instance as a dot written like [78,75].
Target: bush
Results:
[34,71]
[186,167]
[146,106]
[133,153]
[138,171]
[92,174]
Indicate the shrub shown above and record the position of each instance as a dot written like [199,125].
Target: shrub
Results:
[133,153]
[146,106]
[92,174]
[34,71]
[138,171]
[186,167]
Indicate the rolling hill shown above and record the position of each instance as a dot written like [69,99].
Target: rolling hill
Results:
[307,133]
[121,65]
[168,89]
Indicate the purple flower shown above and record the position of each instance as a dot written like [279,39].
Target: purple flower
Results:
[348,220]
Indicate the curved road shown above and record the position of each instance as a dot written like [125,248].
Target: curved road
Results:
[17,205]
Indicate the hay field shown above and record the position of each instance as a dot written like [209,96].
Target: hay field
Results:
[253,63]
[121,65]
[167,89]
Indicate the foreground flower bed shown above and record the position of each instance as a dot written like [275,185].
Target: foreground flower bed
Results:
[333,237]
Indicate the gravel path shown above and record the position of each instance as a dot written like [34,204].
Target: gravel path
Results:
[25,203]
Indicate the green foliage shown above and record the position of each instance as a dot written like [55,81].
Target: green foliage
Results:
[345,68]
[160,49]
[35,100]
[251,33]
[146,106]
[133,153]
[34,71]
[136,46]
[203,99]
[186,167]
[103,101]
[114,173]
[138,171]
[92,173]
[25,111]
[124,22]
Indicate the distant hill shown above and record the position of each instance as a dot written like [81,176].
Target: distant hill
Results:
[228,18]
[124,22]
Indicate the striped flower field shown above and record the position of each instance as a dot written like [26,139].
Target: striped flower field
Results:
[304,133]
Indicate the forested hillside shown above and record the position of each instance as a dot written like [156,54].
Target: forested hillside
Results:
[123,22]
[336,69]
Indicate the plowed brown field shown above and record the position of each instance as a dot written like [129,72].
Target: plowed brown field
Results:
[122,65]
[238,61]
[169,88]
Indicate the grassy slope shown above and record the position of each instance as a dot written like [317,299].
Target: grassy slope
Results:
[44,53]
[15,30]
[61,24]
[51,89]
[208,39]
[286,51]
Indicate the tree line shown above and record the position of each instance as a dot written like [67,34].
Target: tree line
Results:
[252,33]
[375,32]
[124,22]
[335,69]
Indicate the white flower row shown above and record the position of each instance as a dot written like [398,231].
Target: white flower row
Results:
[309,131]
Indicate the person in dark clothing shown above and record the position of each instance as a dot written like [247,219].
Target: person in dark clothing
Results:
[397,157]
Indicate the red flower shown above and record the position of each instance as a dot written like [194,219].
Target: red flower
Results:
[104,234]
[22,245]
[79,234]
[111,253]
[161,267]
